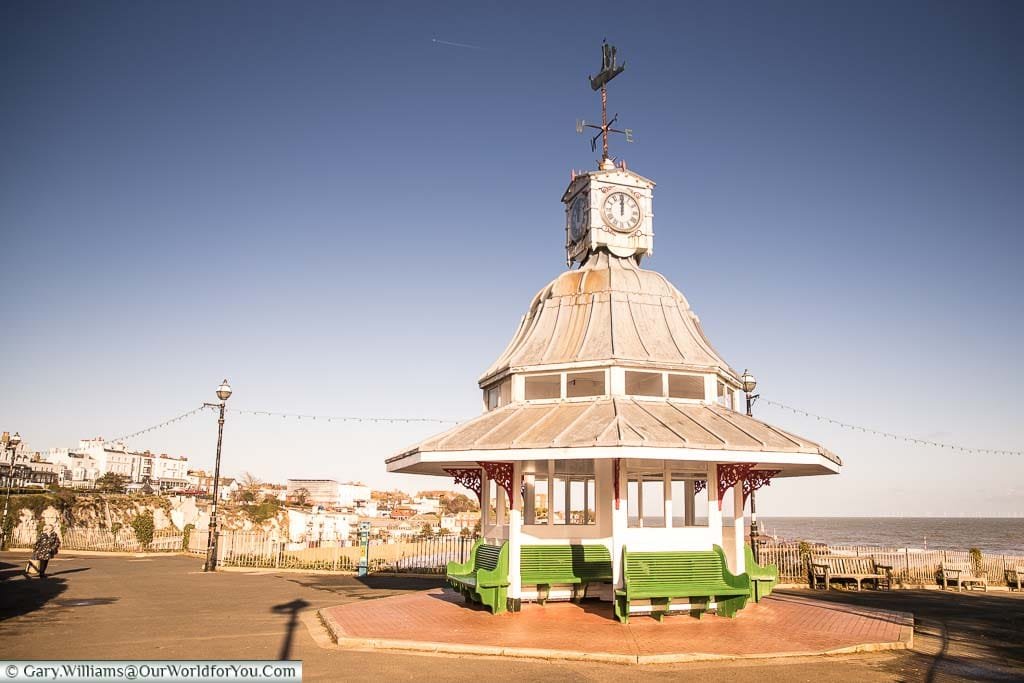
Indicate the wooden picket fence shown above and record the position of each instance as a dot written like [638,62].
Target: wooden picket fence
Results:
[910,567]
[83,538]
[261,550]
[431,555]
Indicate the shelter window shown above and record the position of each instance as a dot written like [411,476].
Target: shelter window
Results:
[724,395]
[644,383]
[584,384]
[566,497]
[493,398]
[686,386]
[684,512]
[543,386]
[645,499]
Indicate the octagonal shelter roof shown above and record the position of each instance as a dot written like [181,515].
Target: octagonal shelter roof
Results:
[612,310]
[615,427]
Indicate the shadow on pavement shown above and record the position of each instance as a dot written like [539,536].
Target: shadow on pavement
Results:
[23,596]
[973,635]
[69,571]
[292,609]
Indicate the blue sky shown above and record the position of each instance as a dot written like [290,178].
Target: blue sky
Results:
[343,216]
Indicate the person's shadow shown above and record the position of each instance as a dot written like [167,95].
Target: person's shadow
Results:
[23,596]
[292,609]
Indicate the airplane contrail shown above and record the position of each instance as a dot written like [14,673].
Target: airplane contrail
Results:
[448,42]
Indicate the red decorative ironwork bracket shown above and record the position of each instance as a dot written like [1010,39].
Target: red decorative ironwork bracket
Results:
[616,473]
[501,472]
[468,477]
[730,474]
[755,479]
[699,485]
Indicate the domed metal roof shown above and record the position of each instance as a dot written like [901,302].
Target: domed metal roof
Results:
[609,309]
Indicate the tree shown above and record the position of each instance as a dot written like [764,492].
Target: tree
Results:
[112,483]
[427,531]
[465,533]
[249,487]
[300,496]
[453,505]
[144,527]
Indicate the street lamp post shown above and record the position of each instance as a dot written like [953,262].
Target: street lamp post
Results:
[10,446]
[749,384]
[223,393]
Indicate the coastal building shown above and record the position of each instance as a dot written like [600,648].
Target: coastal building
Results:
[80,467]
[313,491]
[610,418]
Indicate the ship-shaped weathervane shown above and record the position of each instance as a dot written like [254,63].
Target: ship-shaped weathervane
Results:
[609,70]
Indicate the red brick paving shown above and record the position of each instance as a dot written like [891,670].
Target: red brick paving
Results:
[779,624]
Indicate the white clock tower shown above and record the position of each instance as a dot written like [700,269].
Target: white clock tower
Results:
[610,208]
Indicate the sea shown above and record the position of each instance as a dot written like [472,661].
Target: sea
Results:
[996,536]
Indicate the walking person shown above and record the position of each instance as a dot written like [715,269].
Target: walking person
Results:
[46,547]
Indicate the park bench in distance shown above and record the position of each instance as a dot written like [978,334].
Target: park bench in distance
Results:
[961,573]
[484,577]
[664,575]
[577,565]
[1015,575]
[828,567]
[762,577]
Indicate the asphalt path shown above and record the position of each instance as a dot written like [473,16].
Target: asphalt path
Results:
[165,607]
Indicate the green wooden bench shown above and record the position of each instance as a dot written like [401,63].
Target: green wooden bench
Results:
[484,577]
[577,565]
[664,575]
[762,577]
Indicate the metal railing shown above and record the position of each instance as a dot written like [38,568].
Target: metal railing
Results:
[910,567]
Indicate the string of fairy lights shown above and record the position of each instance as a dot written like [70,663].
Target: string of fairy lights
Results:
[890,435]
[298,417]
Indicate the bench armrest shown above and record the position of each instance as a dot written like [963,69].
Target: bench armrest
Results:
[733,580]
[823,567]
[886,567]
[466,567]
[951,572]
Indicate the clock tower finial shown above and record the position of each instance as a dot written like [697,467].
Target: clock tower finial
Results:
[609,70]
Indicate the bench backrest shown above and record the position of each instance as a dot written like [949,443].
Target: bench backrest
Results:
[487,557]
[960,566]
[846,565]
[652,569]
[583,561]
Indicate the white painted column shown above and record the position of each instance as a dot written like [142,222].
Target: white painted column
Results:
[485,504]
[515,527]
[620,521]
[714,514]
[667,495]
[499,505]
[738,527]
[690,512]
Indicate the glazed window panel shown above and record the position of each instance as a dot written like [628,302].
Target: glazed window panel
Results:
[543,386]
[541,500]
[633,502]
[644,383]
[493,398]
[686,386]
[579,384]
[724,395]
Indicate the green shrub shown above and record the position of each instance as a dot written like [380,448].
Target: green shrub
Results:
[144,528]
[975,559]
[187,533]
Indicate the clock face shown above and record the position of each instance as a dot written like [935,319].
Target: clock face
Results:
[579,217]
[621,212]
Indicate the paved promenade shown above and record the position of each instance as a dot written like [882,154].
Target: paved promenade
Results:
[103,607]
[781,625]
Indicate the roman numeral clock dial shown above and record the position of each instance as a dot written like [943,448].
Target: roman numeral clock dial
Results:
[621,212]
